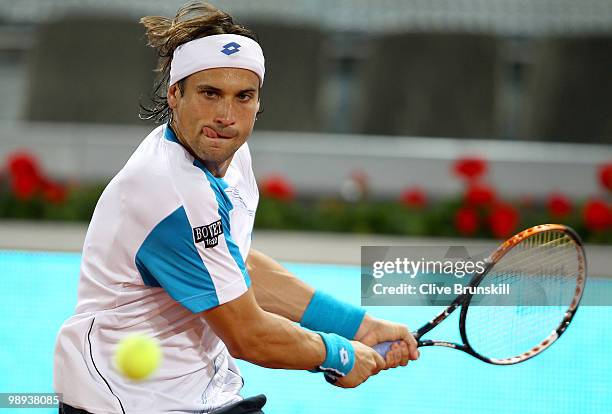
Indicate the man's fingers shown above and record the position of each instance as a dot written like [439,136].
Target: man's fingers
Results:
[391,356]
[404,345]
[389,360]
[413,351]
[380,362]
[405,354]
[412,345]
[408,338]
[400,353]
[397,355]
[410,341]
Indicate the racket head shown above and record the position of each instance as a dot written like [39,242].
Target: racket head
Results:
[509,334]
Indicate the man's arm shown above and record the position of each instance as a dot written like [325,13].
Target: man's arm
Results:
[251,333]
[278,291]
[269,340]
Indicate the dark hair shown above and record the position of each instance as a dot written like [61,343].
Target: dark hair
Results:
[192,21]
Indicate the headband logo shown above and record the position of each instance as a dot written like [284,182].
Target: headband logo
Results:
[231,48]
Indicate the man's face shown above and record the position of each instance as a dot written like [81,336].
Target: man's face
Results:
[214,113]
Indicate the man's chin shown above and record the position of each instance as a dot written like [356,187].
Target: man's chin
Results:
[215,155]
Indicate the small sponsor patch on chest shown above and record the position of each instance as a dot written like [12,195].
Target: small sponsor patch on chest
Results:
[209,234]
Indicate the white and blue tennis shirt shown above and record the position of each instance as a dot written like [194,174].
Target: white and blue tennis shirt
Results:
[167,241]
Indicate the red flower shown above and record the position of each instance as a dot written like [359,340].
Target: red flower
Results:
[479,195]
[26,177]
[559,205]
[53,192]
[414,197]
[503,220]
[277,187]
[605,175]
[470,168]
[466,221]
[25,186]
[22,163]
[597,215]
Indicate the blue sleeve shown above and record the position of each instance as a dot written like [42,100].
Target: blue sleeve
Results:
[168,258]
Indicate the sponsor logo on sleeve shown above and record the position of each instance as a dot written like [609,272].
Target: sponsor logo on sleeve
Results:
[209,234]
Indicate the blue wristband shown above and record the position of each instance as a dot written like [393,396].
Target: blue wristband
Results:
[326,314]
[339,357]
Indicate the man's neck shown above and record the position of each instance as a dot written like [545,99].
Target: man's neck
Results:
[218,169]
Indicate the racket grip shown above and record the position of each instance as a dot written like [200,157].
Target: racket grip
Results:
[383,347]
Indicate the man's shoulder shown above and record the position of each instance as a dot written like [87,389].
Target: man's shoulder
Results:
[243,157]
[157,161]
[145,179]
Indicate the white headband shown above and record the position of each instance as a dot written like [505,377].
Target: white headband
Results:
[217,51]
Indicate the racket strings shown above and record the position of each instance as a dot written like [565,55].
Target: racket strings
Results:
[558,268]
[541,272]
[547,272]
[554,265]
[530,252]
[558,264]
[522,330]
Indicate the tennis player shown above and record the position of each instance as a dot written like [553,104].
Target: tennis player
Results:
[168,254]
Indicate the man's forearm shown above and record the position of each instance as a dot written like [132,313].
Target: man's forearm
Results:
[278,343]
[276,289]
[269,340]
[279,292]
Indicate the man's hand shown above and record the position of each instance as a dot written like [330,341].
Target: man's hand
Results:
[373,331]
[367,363]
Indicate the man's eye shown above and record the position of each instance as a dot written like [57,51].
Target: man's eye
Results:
[209,94]
[244,97]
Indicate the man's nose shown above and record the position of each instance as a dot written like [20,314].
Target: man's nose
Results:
[225,114]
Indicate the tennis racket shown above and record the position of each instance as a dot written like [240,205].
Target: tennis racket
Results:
[549,260]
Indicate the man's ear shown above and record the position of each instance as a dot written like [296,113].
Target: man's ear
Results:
[174,93]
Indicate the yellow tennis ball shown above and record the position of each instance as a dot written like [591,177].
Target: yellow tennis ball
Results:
[137,356]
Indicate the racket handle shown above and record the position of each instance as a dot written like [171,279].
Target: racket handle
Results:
[383,347]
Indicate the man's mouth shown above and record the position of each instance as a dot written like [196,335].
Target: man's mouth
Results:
[211,133]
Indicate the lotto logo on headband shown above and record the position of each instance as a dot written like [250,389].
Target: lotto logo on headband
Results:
[231,48]
[217,51]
